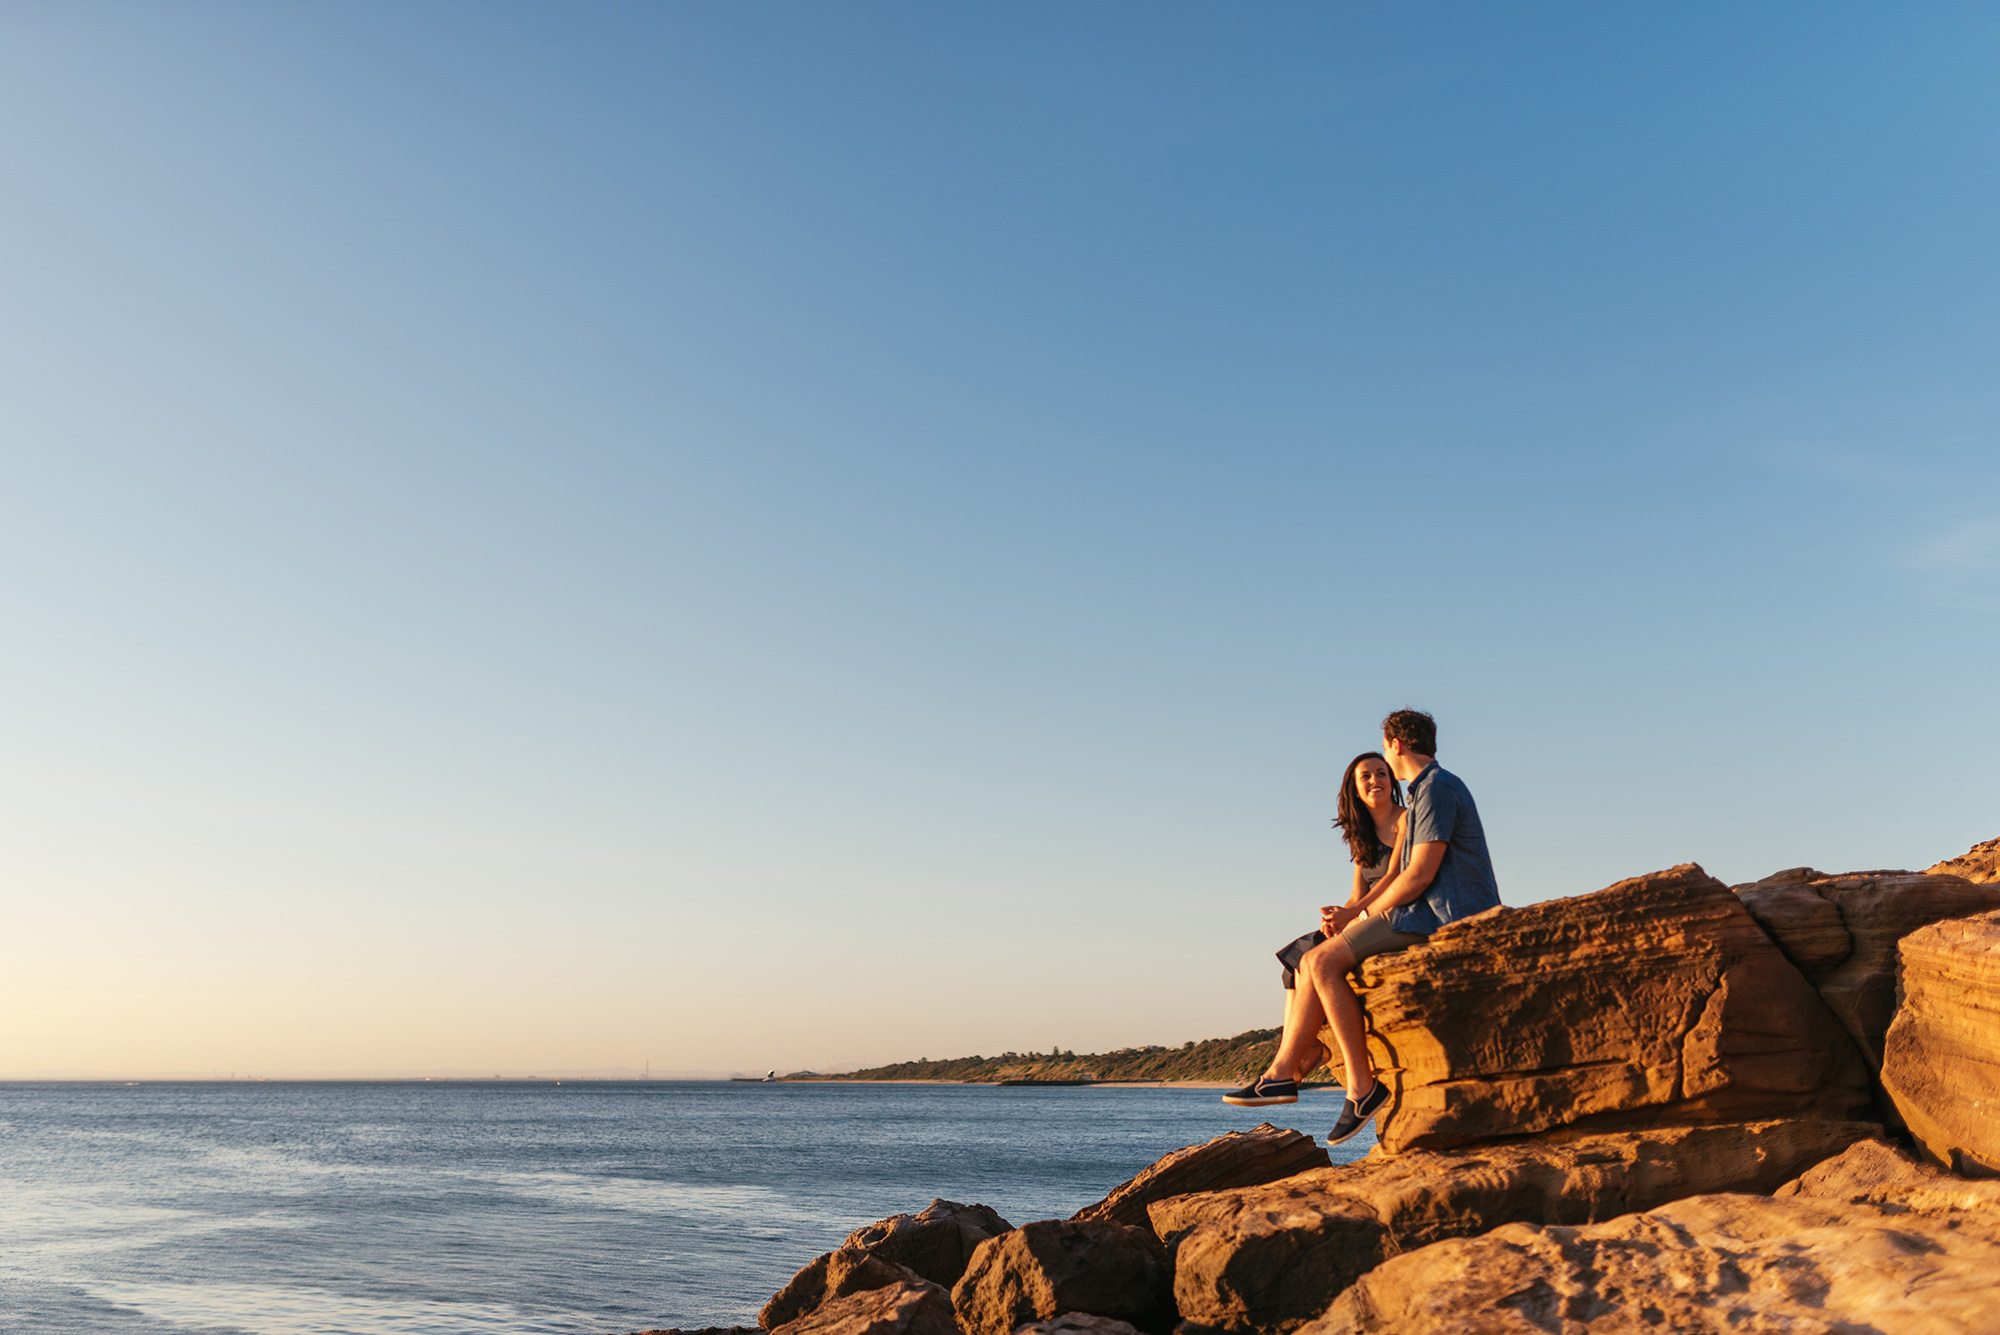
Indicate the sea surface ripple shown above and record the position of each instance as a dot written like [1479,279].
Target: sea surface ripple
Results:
[500,1208]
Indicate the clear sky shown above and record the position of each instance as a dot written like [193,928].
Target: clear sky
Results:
[733,536]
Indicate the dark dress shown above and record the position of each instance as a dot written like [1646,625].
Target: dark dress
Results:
[1289,957]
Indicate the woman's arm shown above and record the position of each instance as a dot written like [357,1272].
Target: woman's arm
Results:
[1333,919]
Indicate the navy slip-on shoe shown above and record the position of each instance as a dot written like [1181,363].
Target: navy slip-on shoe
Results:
[1263,1093]
[1354,1116]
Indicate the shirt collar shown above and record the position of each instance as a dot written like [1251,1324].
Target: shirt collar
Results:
[1422,774]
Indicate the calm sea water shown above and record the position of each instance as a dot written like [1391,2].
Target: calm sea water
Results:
[507,1209]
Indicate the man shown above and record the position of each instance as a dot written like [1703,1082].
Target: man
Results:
[1441,873]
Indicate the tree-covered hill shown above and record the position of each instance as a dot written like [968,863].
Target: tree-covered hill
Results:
[1233,1059]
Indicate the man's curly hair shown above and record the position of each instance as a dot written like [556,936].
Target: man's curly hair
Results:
[1414,729]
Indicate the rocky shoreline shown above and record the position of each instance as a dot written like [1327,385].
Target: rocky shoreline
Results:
[1671,1105]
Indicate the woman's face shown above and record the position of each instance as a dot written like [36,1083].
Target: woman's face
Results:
[1372,780]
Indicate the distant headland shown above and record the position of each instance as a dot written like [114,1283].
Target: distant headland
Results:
[1213,1060]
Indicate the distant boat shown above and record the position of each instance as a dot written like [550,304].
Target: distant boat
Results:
[753,1079]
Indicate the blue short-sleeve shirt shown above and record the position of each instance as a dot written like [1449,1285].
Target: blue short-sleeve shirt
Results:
[1441,812]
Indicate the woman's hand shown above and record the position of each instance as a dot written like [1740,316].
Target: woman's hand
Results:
[1334,917]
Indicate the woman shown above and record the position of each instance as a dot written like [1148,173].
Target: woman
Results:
[1371,812]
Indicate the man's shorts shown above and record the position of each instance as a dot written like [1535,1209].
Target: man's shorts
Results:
[1371,936]
[1364,936]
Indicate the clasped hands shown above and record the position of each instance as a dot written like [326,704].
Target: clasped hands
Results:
[1334,917]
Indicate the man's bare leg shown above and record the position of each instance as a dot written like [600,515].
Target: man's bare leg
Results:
[1326,967]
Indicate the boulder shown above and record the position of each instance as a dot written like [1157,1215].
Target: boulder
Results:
[1841,931]
[1267,1259]
[935,1243]
[1942,1066]
[932,1246]
[1078,1323]
[1656,1001]
[835,1275]
[896,1309]
[1726,1264]
[702,1330]
[1250,1158]
[1057,1266]
[1803,924]
[1874,1172]
[1980,864]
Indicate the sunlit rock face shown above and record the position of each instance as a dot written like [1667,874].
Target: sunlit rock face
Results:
[1267,1259]
[1980,865]
[1657,1000]
[1867,1242]
[931,1247]
[1842,930]
[1942,1062]
[1059,1266]
[829,1278]
[1250,1158]
[895,1309]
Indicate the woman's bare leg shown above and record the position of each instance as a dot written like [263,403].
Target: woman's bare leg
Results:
[1326,967]
[1298,1049]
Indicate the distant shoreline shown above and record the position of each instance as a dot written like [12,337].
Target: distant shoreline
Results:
[1211,1063]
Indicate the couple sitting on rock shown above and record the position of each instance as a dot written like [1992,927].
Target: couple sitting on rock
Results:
[1416,868]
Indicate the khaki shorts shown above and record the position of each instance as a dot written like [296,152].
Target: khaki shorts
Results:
[1371,936]
[1364,936]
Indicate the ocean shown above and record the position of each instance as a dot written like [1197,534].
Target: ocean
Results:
[502,1208]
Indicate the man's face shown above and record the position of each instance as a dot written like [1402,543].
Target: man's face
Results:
[1399,756]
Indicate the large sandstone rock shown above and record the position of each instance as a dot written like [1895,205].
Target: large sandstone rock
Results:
[931,1246]
[1942,1067]
[897,1309]
[1874,1172]
[1842,932]
[1046,1269]
[1238,1159]
[1267,1259]
[1980,864]
[835,1275]
[1726,1264]
[1656,1000]
[935,1243]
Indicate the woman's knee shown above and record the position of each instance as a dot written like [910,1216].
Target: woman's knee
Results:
[1329,959]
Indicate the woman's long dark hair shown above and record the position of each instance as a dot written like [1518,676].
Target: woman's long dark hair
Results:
[1356,821]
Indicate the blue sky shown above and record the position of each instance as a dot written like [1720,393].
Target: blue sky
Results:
[740,536]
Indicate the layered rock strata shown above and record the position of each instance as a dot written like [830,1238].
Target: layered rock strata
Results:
[1656,1000]
[1726,1265]
[1841,931]
[1869,1242]
[1058,1266]
[1239,1159]
[1942,1067]
[1267,1259]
